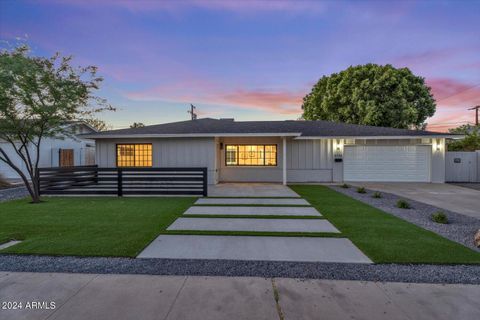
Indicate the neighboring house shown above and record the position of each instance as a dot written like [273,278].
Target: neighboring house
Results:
[69,150]
[279,151]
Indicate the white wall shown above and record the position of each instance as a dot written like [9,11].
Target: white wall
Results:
[250,174]
[49,154]
[170,152]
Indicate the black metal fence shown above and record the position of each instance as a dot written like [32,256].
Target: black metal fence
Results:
[91,180]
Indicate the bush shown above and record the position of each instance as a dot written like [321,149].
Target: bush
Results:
[402,204]
[440,217]
[3,182]
[345,186]
[377,195]
[361,190]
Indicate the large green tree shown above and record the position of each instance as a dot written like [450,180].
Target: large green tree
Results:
[371,94]
[38,96]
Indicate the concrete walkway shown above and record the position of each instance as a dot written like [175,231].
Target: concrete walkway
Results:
[254,211]
[306,249]
[446,196]
[253,201]
[256,224]
[119,297]
[251,190]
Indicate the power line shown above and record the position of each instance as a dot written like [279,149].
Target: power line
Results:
[473,87]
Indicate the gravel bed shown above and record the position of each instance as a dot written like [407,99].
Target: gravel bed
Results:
[460,228]
[466,274]
[13,193]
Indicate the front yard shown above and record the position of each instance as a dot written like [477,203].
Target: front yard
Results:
[384,238]
[123,227]
[87,226]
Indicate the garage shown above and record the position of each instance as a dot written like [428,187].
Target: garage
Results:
[387,163]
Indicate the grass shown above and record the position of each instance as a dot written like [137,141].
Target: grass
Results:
[381,236]
[87,226]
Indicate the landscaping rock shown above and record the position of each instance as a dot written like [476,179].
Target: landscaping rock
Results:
[460,228]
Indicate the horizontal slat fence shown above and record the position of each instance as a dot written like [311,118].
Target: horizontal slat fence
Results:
[91,180]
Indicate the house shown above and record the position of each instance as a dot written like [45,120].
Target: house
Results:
[278,151]
[67,150]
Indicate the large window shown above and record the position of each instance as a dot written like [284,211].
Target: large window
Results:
[251,155]
[134,155]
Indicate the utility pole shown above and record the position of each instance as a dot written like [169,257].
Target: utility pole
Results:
[476,114]
[192,112]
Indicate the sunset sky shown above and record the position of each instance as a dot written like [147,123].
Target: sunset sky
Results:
[251,60]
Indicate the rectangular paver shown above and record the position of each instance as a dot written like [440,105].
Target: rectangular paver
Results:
[254,211]
[257,201]
[313,249]
[253,224]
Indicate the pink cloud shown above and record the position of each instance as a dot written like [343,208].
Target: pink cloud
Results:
[454,98]
[194,91]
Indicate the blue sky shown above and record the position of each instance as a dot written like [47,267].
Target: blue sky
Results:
[251,60]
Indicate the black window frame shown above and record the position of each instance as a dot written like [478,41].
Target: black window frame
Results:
[252,165]
[132,144]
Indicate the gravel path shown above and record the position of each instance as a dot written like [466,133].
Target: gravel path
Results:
[460,228]
[13,193]
[467,274]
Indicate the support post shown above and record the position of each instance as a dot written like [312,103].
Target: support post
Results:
[284,161]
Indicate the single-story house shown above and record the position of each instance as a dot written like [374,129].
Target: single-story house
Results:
[64,151]
[278,151]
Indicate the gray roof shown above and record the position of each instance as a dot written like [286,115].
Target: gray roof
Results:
[209,126]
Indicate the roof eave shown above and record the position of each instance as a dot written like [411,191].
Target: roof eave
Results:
[189,135]
[434,136]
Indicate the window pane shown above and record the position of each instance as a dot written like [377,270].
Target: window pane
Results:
[134,155]
[251,155]
[231,155]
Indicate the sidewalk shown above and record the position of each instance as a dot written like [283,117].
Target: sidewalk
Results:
[85,296]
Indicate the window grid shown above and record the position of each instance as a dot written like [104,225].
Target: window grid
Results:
[251,155]
[134,155]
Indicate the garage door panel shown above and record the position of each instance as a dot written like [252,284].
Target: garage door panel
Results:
[387,163]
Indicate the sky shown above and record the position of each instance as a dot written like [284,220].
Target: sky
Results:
[251,60]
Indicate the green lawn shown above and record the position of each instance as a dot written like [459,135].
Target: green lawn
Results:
[87,226]
[384,237]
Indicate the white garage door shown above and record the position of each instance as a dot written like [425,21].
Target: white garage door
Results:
[387,163]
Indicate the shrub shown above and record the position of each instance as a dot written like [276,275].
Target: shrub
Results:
[377,195]
[403,204]
[345,186]
[440,217]
[361,190]
[3,182]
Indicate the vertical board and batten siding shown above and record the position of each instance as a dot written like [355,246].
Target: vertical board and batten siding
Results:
[466,169]
[253,173]
[166,153]
[309,160]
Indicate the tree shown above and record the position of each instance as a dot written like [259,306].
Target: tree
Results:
[98,124]
[137,125]
[470,142]
[371,95]
[37,97]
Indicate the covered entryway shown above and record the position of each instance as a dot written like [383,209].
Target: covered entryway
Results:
[387,163]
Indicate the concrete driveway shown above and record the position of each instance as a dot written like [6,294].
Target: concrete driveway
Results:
[449,197]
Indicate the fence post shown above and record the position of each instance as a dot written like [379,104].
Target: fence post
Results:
[205,184]
[37,180]
[119,182]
